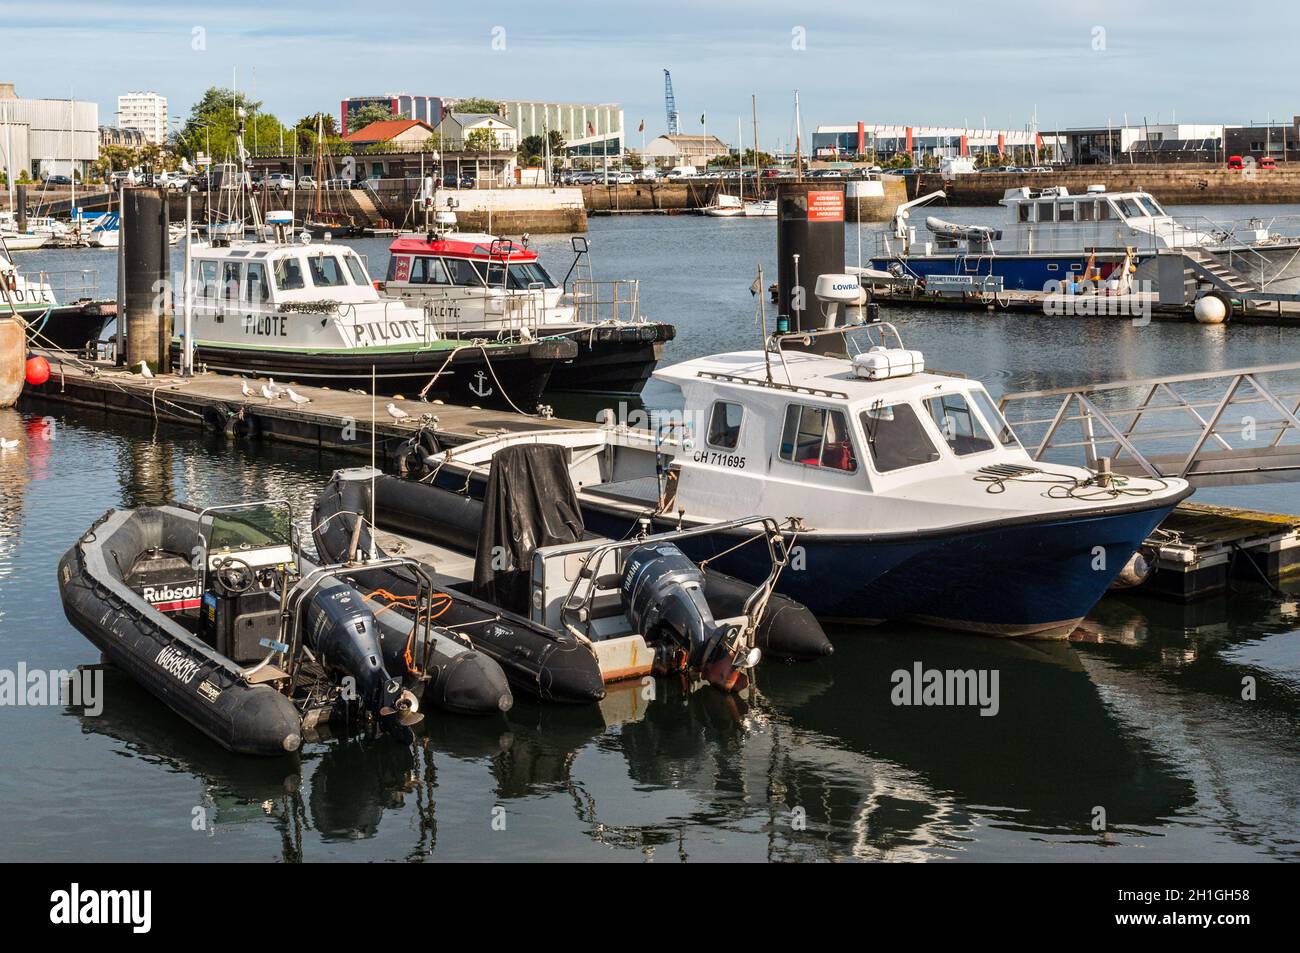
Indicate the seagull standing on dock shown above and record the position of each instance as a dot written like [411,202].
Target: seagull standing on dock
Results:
[396,412]
[296,397]
[144,370]
[270,391]
[244,388]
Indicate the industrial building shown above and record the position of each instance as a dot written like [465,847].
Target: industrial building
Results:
[144,112]
[883,141]
[47,136]
[694,151]
[426,109]
[588,129]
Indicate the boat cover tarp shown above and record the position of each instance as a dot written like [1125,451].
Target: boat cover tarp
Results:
[529,502]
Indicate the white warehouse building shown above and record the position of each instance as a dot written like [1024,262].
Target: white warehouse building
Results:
[47,136]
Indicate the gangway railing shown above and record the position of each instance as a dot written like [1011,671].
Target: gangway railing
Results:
[1216,428]
[598,302]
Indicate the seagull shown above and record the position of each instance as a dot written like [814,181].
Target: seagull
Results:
[273,386]
[397,413]
[8,444]
[296,397]
[244,388]
[270,394]
[144,370]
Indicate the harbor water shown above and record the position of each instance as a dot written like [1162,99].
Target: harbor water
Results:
[1140,720]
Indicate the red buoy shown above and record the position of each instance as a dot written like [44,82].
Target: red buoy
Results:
[38,371]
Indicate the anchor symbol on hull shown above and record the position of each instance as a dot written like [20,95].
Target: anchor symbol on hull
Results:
[478,385]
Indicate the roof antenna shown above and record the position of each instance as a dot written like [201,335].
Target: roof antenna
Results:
[756,289]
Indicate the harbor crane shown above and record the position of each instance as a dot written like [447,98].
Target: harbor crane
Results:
[670,105]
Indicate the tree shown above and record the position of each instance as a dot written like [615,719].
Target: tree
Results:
[477,104]
[305,130]
[532,150]
[372,112]
[214,119]
[481,140]
[115,159]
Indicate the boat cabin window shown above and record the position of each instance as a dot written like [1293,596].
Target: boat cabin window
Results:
[724,425]
[230,281]
[208,280]
[1103,211]
[816,437]
[325,271]
[1023,211]
[255,289]
[493,274]
[463,273]
[1047,211]
[896,438]
[1129,208]
[356,269]
[288,274]
[993,418]
[1085,211]
[429,271]
[1150,205]
[960,428]
[529,273]
[1067,212]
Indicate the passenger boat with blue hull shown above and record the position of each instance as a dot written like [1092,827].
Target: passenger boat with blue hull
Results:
[1050,236]
[907,494]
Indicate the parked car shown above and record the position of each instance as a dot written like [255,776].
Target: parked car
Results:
[337,184]
[1040,168]
[280,181]
[677,173]
[306,182]
[647,175]
[615,177]
[58,180]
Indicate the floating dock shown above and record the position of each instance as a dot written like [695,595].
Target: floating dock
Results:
[1203,550]
[338,420]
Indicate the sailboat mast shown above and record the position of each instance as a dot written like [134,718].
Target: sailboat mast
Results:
[740,160]
[320,152]
[798,146]
[753,112]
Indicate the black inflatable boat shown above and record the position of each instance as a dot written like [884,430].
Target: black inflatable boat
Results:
[217,614]
[545,598]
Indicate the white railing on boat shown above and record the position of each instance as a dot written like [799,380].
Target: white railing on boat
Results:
[600,302]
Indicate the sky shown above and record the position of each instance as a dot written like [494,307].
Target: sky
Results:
[977,63]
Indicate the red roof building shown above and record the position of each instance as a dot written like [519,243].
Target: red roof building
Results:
[397,131]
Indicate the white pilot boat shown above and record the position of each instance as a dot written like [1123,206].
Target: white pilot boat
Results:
[1050,235]
[474,286]
[905,490]
[309,312]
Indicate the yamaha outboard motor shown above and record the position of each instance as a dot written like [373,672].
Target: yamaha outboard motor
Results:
[663,596]
[342,633]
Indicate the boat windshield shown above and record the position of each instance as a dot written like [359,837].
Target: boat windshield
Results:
[1131,208]
[529,273]
[257,527]
[359,275]
[960,428]
[1150,205]
[325,271]
[989,411]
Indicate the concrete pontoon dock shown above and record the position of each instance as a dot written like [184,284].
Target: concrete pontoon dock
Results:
[332,419]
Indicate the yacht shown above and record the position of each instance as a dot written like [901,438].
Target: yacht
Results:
[904,491]
[308,311]
[473,286]
[27,295]
[1050,235]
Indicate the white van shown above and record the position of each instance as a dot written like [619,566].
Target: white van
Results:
[678,172]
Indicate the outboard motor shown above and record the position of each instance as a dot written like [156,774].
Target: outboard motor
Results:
[342,632]
[663,593]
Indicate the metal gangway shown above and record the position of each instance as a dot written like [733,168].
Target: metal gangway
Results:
[1216,428]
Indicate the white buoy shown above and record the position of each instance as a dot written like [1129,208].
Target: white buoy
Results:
[1210,310]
